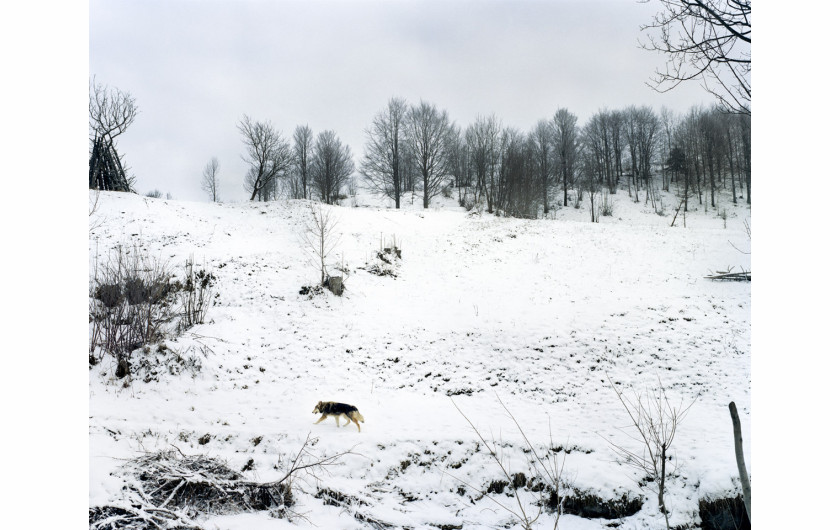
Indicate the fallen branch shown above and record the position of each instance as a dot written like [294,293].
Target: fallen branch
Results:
[744,276]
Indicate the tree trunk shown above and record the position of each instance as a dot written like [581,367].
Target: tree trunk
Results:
[712,178]
[662,489]
[565,189]
[739,458]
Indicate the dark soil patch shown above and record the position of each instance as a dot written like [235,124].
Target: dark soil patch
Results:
[497,486]
[724,514]
[348,502]
[588,505]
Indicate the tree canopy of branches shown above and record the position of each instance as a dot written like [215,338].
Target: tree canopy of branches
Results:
[706,40]
[382,168]
[268,156]
[429,133]
[332,165]
[111,112]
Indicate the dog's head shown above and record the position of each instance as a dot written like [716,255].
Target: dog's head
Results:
[318,407]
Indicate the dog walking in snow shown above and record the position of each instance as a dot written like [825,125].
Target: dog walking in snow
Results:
[336,410]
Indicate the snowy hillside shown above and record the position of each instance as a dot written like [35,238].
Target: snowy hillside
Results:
[480,311]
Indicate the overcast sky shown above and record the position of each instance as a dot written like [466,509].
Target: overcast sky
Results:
[196,67]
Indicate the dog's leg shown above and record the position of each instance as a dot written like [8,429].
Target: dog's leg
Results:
[357,424]
[323,417]
[336,421]
[346,417]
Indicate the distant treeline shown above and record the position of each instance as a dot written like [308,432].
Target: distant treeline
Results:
[703,155]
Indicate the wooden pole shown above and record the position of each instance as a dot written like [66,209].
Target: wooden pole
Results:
[739,458]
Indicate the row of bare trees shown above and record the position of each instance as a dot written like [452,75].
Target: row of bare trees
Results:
[417,148]
[305,169]
[407,148]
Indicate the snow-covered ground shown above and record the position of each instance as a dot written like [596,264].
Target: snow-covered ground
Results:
[483,311]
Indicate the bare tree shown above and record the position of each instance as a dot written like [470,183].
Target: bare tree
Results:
[655,420]
[666,118]
[110,112]
[744,130]
[631,134]
[210,179]
[615,120]
[381,166]
[520,182]
[319,237]
[706,40]
[332,165]
[302,150]
[565,147]
[647,133]
[483,143]
[588,180]
[712,142]
[543,139]
[268,155]
[459,163]
[603,129]
[429,133]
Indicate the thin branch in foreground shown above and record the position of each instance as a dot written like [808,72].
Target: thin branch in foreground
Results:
[548,472]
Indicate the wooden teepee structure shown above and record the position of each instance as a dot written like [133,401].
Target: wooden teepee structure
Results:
[105,171]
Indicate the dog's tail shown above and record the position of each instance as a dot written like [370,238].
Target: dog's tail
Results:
[358,416]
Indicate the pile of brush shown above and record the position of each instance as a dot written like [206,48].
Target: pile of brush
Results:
[168,489]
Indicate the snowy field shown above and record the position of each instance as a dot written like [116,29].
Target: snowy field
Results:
[482,311]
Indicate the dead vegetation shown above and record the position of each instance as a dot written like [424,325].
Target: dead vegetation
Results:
[728,275]
[169,489]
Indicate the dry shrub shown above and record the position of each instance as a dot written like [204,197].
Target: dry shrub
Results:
[195,294]
[131,302]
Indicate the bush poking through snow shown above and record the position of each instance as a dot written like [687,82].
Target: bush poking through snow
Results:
[131,303]
[195,294]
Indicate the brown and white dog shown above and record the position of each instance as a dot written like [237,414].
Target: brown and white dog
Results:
[337,410]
